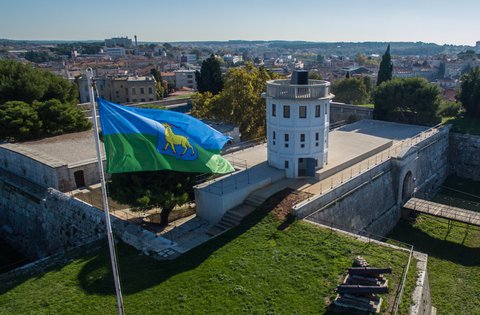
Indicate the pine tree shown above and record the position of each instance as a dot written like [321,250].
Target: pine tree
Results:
[386,67]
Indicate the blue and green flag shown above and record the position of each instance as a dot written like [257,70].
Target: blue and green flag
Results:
[141,139]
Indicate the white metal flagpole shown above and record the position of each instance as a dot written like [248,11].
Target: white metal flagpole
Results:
[111,245]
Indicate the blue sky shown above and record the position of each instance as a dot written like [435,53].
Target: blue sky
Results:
[438,21]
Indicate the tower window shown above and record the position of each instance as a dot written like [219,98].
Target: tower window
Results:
[302,112]
[274,135]
[302,137]
[286,111]
[317,110]
[316,136]
[274,110]
[286,137]
[286,164]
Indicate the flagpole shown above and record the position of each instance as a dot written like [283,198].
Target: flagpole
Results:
[111,244]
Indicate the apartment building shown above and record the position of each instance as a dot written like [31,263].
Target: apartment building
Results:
[185,78]
[125,89]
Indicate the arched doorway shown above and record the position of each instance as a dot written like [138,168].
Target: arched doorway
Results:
[407,188]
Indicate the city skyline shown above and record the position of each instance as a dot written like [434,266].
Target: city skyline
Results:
[441,22]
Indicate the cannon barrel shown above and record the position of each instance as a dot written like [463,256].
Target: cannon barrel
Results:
[364,271]
[361,289]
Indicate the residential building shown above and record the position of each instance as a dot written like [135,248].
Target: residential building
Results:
[185,78]
[103,85]
[168,76]
[133,89]
[233,59]
[188,58]
[115,52]
[118,41]
[124,89]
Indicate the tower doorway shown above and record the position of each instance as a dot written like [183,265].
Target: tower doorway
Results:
[306,167]
[79,179]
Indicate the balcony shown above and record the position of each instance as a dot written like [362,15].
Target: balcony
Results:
[284,89]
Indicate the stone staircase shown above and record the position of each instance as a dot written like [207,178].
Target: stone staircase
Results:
[230,219]
[254,200]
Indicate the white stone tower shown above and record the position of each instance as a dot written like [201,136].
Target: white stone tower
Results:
[298,113]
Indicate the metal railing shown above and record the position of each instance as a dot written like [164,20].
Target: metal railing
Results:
[243,145]
[229,183]
[356,170]
[444,211]
[284,89]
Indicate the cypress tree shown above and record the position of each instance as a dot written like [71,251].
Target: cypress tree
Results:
[209,79]
[386,67]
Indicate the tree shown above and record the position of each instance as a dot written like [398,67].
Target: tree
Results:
[147,190]
[386,67]
[441,70]
[21,82]
[18,120]
[58,118]
[240,102]
[38,56]
[409,100]
[209,79]
[314,75]
[470,92]
[368,84]
[156,74]
[40,95]
[351,90]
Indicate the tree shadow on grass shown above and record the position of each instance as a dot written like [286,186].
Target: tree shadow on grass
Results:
[139,272]
[436,247]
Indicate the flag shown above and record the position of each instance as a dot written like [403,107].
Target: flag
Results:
[143,139]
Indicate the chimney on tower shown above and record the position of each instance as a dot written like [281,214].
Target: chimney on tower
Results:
[136,44]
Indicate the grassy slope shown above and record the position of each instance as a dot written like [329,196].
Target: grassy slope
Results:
[463,124]
[254,268]
[454,269]
[454,257]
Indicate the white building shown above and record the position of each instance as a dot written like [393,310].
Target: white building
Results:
[185,78]
[115,51]
[298,124]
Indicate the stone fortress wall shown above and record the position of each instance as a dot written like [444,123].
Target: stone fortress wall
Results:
[39,224]
[465,156]
[371,202]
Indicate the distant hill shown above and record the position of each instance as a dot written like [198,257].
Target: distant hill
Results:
[340,48]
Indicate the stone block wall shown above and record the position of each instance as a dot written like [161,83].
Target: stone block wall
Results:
[367,202]
[47,223]
[341,111]
[29,168]
[464,154]
[371,202]
[42,227]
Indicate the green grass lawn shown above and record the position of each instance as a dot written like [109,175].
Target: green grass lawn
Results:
[367,105]
[180,97]
[255,268]
[454,256]
[463,124]
[453,262]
